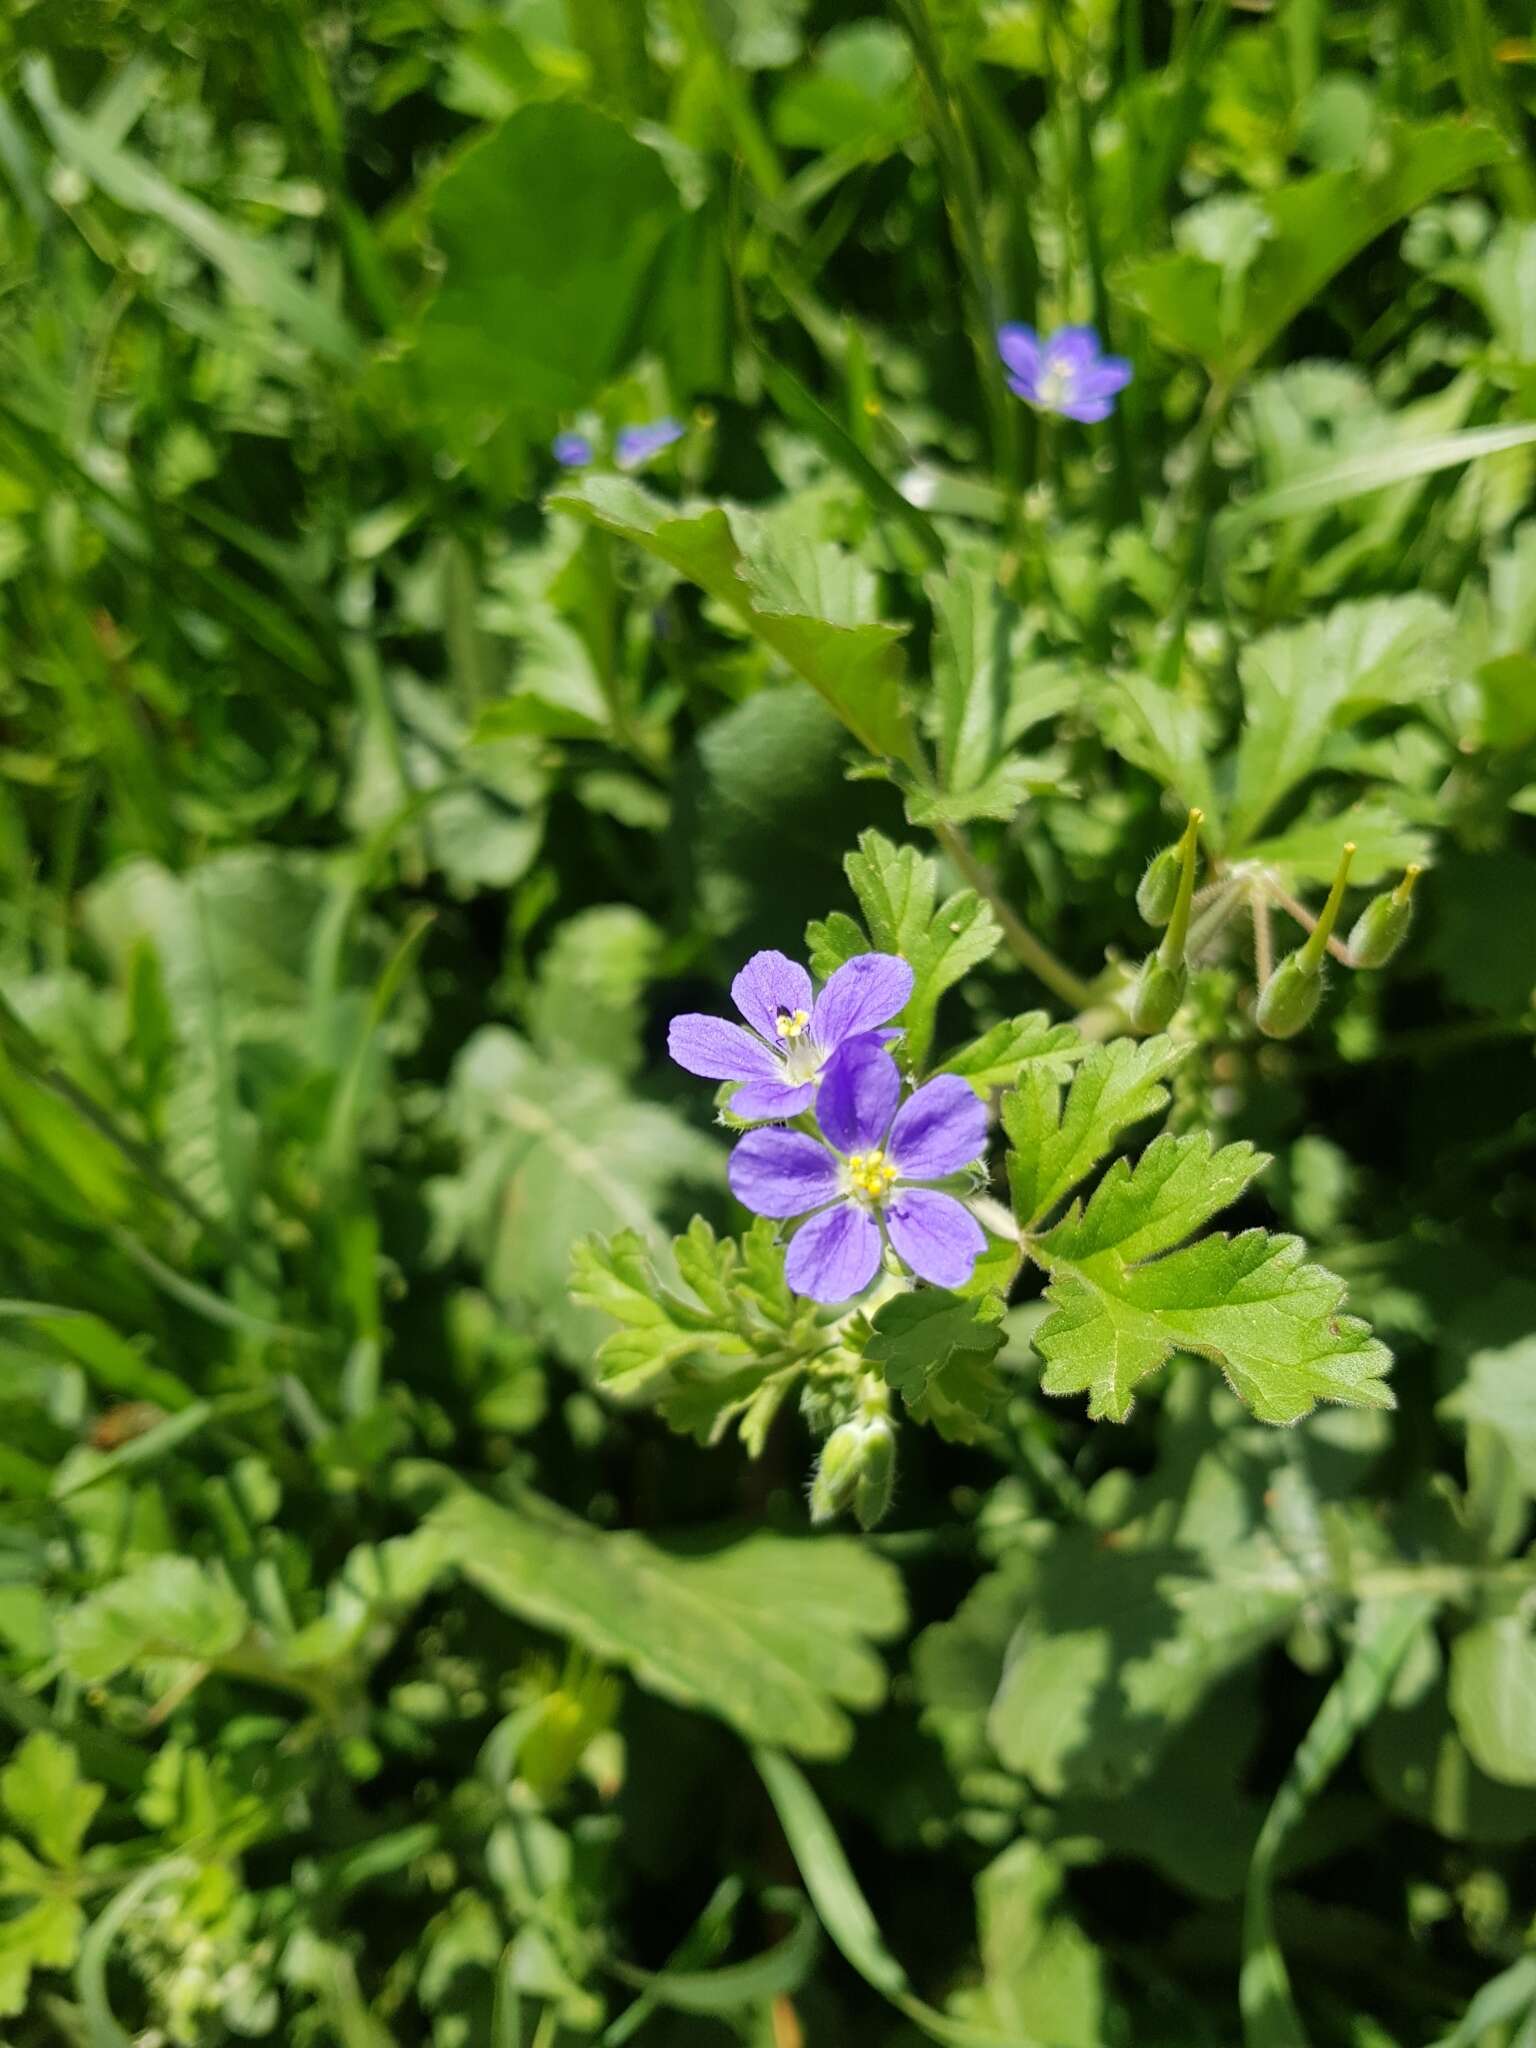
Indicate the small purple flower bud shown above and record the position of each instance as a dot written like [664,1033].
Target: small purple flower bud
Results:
[572,451]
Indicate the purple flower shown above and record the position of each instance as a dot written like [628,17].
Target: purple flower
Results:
[1066,373]
[865,1183]
[792,1037]
[636,445]
[572,451]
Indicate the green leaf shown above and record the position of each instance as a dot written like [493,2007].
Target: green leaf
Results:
[1303,681]
[998,1058]
[1508,1997]
[897,889]
[1165,733]
[771,1633]
[1500,1391]
[1493,1697]
[973,658]
[534,318]
[43,1792]
[1309,850]
[936,1350]
[1055,1143]
[42,1936]
[1312,227]
[168,1607]
[777,1972]
[1043,1978]
[1356,476]
[1418,1764]
[810,603]
[587,995]
[728,1353]
[552,1152]
[1250,1303]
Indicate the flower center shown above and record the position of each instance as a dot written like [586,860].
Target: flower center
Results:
[791,1024]
[871,1175]
[1056,382]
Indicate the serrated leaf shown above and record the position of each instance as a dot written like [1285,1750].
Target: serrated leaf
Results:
[729,1354]
[1251,1303]
[44,1794]
[1165,733]
[936,1351]
[1303,681]
[985,692]
[897,889]
[1140,1209]
[771,1633]
[169,1607]
[1309,850]
[43,1936]
[1056,1144]
[812,604]
[999,1056]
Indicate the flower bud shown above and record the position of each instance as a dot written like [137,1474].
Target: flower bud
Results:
[877,1473]
[1383,924]
[1157,992]
[836,1478]
[1159,887]
[1288,1000]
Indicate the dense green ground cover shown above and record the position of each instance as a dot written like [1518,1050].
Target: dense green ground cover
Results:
[413,1628]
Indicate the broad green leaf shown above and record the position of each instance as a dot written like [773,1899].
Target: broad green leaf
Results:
[1493,1697]
[857,94]
[1055,1143]
[998,1058]
[729,1352]
[1312,227]
[1309,850]
[1252,1304]
[168,1607]
[813,605]
[1302,681]
[897,889]
[769,1632]
[936,1350]
[43,1792]
[591,980]
[1418,1764]
[533,319]
[1500,1392]
[1043,1978]
[1166,734]
[551,1152]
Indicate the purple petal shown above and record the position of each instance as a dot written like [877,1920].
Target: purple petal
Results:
[1104,378]
[1024,387]
[782,1173]
[865,991]
[835,1255]
[768,984]
[1074,349]
[1088,410]
[939,1129]
[572,451]
[860,1088]
[775,1101]
[719,1051]
[1019,347]
[635,445]
[938,1239]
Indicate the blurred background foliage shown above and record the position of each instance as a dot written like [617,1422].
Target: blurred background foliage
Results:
[367,1675]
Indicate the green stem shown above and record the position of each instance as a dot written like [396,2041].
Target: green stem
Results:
[1022,943]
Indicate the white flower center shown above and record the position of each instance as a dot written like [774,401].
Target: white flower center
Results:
[1056,383]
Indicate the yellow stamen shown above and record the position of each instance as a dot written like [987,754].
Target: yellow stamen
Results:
[870,1174]
[788,1026]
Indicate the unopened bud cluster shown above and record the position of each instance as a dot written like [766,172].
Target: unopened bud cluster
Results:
[857,1466]
[1292,990]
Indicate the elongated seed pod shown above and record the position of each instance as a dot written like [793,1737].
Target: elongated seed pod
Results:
[1157,994]
[1382,926]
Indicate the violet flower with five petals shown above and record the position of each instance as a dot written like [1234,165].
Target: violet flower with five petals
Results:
[1067,373]
[793,1035]
[865,1184]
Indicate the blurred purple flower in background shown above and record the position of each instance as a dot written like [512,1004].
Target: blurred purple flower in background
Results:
[1067,373]
[636,445]
[865,1184]
[792,1037]
[572,451]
